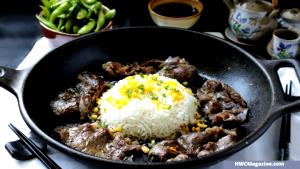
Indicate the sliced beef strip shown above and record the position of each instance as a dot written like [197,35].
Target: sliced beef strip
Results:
[80,98]
[85,138]
[222,142]
[66,102]
[116,69]
[178,68]
[221,103]
[95,141]
[179,157]
[90,87]
[192,142]
[165,149]
[120,147]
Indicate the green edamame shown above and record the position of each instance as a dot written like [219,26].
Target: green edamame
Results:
[62,28]
[90,1]
[96,7]
[68,25]
[57,3]
[45,12]
[84,4]
[81,14]
[59,10]
[75,16]
[45,22]
[63,16]
[87,28]
[46,3]
[60,23]
[110,14]
[75,29]
[100,21]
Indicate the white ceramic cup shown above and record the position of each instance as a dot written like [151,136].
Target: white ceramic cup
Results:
[285,43]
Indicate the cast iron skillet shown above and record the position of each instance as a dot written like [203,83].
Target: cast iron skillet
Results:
[215,58]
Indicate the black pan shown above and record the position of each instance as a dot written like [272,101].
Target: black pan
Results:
[215,58]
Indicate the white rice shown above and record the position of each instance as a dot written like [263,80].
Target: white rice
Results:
[142,117]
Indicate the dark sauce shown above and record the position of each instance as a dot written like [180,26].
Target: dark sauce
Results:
[175,10]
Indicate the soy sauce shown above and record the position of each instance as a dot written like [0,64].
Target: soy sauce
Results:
[175,9]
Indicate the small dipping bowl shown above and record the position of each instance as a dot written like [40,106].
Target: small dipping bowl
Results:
[175,13]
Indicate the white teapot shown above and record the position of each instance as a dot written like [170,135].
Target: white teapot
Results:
[251,20]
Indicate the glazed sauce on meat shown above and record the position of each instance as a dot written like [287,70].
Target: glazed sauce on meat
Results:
[175,10]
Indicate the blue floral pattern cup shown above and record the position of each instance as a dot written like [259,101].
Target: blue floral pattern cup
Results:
[285,43]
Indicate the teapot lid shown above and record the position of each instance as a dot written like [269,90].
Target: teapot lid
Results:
[291,14]
[257,5]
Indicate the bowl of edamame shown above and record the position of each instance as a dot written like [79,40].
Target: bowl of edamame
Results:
[68,19]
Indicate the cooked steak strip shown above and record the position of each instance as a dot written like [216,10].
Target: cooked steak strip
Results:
[120,147]
[85,138]
[178,68]
[165,149]
[90,139]
[90,87]
[223,142]
[221,103]
[179,157]
[116,69]
[66,102]
[192,142]
[82,97]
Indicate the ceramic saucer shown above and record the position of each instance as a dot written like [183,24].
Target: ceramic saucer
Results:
[229,34]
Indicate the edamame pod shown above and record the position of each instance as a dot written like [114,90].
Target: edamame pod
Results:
[90,12]
[68,25]
[87,28]
[45,12]
[62,28]
[45,22]
[81,14]
[110,14]
[90,1]
[75,29]
[84,4]
[59,10]
[63,16]
[57,3]
[60,23]
[46,3]
[96,7]
[100,21]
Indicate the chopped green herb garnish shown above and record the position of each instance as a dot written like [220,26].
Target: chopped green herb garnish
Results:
[129,93]
[141,88]
[101,125]
[152,96]
[142,75]
[170,106]
[164,95]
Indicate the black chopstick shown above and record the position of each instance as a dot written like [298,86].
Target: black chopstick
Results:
[49,163]
[285,129]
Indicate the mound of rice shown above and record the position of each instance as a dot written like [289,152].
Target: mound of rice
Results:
[148,106]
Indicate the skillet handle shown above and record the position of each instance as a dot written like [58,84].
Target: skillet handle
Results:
[279,105]
[12,79]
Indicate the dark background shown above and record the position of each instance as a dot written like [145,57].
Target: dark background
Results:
[19,29]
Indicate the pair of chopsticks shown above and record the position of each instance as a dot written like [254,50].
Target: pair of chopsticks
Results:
[285,130]
[49,163]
